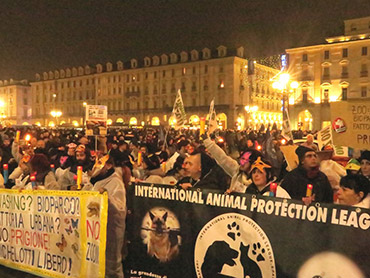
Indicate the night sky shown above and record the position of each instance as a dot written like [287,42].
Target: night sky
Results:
[38,36]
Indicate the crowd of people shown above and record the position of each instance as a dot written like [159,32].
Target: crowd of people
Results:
[230,161]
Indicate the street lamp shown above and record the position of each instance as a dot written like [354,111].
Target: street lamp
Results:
[56,115]
[281,82]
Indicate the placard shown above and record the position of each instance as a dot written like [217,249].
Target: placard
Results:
[54,233]
[351,123]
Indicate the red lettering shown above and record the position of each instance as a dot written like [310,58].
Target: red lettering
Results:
[93,229]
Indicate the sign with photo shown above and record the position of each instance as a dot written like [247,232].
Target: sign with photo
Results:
[96,119]
[205,233]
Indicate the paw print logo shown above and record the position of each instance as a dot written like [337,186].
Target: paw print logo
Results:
[258,251]
[233,230]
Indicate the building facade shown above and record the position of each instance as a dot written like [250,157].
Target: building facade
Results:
[143,92]
[335,71]
[15,102]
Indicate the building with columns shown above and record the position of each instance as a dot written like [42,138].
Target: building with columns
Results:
[142,92]
[15,102]
[335,71]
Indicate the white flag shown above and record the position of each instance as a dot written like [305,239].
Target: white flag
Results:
[287,130]
[178,111]
[212,120]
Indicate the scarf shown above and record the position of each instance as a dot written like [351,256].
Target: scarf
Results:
[102,176]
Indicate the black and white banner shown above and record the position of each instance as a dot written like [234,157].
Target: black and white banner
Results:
[195,233]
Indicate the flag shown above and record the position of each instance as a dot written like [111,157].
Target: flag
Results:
[178,111]
[212,120]
[287,130]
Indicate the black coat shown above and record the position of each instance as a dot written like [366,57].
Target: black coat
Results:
[295,183]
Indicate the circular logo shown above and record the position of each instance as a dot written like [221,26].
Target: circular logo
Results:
[233,245]
[339,125]
[160,232]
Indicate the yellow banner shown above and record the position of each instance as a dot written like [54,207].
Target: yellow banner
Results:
[54,233]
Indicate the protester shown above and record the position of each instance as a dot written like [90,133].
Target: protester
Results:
[238,173]
[354,191]
[201,171]
[45,178]
[106,179]
[262,179]
[365,164]
[309,143]
[307,172]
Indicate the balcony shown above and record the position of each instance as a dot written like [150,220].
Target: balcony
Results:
[133,94]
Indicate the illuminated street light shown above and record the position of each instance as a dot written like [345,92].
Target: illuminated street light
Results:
[56,115]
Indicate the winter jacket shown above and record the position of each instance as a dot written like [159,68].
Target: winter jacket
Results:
[239,179]
[295,183]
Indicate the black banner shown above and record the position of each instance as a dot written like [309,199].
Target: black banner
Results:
[204,233]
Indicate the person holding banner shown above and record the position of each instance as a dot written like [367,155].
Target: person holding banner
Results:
[106,179]
[365,164]
[354,191]
[262,180]
[307,174]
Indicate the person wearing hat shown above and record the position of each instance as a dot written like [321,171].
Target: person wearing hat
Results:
[262,177]
[237,171]
[365,164]
[104,178]
[353,167]
[308,172]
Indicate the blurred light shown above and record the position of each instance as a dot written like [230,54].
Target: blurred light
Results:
[259,148]
[27,137]
[317,100]
[84,104]
[283,141]
[109,122]
[294,85]
[284,78]
[2,103]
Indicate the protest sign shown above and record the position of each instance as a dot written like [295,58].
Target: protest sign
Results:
[351,123]
[53,233]
[96,119]
[291,157]
[206,233]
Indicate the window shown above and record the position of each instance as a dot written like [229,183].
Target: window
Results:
[164,104]
[155,75]
[183,88]
[304,58]
[364,91]
[155,104]
[344,93]
[138,105]
[194,87]
[364,51]
[173,72]
[345,52]
[363,72]
[145,105]
[146,75]
[326,72]
[146,90]
[155,91]
[206,69]
[304,96]
[25,101]
[326,95]
[221,69]
[164,73]
[194,70]
[173,89]
[326,54]
[194,102]
[344,71]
